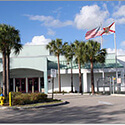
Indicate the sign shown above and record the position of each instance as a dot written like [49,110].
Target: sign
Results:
[53,72]
[118,80]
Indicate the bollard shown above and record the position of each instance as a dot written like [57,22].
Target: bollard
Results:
[10,99]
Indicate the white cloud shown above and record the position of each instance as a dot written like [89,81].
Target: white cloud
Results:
[121,20]
[39,40]
[90,17]
[119,15]
[120,12]
[119,51]
[51,32]
[122,44]
[49,21]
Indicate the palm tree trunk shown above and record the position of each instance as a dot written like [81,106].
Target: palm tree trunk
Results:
[4,72]
[59,81]
[92,78]
[8,72]
[80,81]
[71,78]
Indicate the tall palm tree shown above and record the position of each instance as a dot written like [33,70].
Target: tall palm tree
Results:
[55,47]
[69,53]
[79,53]
[9,39]
[13,43]
[94,55]
[3,33]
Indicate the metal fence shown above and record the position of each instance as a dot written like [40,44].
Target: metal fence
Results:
[111,85]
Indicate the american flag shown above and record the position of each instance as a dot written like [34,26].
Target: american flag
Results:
[93,33]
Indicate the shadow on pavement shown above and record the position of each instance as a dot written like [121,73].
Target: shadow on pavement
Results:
[62,114]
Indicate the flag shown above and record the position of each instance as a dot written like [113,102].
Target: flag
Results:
[109,30]
[93,33]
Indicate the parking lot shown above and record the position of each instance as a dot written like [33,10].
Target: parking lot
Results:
[81,109]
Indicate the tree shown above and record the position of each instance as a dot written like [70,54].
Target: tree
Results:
[9,39]
[55,47]
[94,55]
[3,32]
[14,44]
[69,53]
[79,53]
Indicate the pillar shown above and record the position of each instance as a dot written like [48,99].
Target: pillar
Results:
[85,84]
[45,82]
[26,85]
[13,84]
[39,85]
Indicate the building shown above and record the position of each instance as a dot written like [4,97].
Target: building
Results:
[30,71]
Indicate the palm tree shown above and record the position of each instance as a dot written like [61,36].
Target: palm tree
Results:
[55,47]
[69,53]
[9,39]
[13,43]
[3,33]
[79,53]
[94,55]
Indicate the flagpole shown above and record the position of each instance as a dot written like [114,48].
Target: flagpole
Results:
[115,55]
[101,37]
[101,42]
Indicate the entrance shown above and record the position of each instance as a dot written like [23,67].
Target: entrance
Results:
[33,85]
[20,85]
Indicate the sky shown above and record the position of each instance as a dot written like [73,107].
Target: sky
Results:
[39,22]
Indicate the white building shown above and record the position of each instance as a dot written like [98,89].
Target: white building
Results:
[30,71]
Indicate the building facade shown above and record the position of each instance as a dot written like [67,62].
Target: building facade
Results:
[30,71]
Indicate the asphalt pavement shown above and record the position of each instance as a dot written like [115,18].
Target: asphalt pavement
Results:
[82,109]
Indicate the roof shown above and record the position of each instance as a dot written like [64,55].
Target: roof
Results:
[109,63]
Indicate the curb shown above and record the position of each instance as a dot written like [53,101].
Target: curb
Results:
[117,94]
[21,108]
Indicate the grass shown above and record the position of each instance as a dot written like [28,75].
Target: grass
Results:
[38,104]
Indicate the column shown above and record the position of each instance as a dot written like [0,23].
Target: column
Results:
[39,85]
[45,77]
[45,82]
[85,84]
[103,74]
[26,85]
[13,84]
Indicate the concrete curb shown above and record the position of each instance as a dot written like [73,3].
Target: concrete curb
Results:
[31,107]
[69,94]
[117,94]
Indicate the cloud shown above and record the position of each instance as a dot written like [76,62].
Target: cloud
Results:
[49,21]
[122,44]
[120,12]
[119,15]
[119,51]
[51,32]
[90,17]
[39,40]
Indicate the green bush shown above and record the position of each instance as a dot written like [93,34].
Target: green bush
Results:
[27,98]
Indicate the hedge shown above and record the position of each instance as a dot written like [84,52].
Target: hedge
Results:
[19,98]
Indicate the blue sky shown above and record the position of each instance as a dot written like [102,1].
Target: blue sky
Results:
[41,21]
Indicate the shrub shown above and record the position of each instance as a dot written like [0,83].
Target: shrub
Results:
[27,98]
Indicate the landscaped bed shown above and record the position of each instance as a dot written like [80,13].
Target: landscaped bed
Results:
[30,99]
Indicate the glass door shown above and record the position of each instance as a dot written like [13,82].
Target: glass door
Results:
[23,85]
[17,85]
[20,85]
[35,84]
[30,81]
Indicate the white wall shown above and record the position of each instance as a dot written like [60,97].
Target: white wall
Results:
[65,83]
